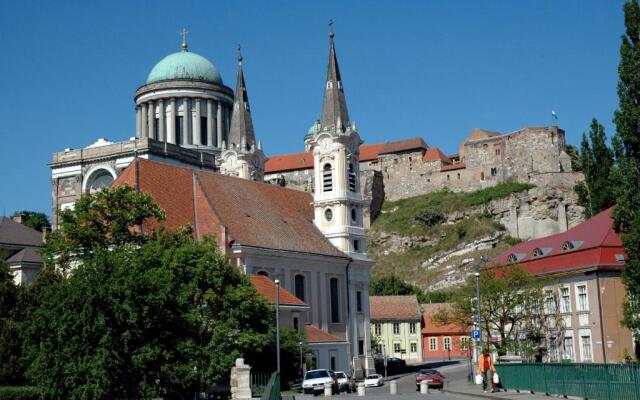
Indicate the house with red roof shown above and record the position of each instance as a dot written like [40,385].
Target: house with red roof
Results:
[583,266]
[395,324]
[443,341]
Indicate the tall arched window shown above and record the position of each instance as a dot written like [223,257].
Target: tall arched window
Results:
[299,287]
[327,178]
[335,300]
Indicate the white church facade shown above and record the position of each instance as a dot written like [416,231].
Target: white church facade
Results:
[196,153]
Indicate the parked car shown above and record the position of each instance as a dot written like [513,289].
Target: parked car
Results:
[345,382]
[373,380]
[433,377]
[314,381]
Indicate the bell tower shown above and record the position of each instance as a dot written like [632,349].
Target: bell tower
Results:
[338,201]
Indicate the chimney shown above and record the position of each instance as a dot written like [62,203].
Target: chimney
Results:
[19,218]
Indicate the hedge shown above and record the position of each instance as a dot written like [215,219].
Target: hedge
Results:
[21,393]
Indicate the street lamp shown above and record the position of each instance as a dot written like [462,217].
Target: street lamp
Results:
[301,364]
[278,324]
[477,321]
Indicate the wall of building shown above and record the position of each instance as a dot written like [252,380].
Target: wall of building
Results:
[457,349]
[388,339]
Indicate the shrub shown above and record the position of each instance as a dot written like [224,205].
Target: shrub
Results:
[512,241]
[430,217]
[461,230]
[21,393]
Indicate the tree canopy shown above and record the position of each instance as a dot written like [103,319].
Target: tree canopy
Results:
[34,219]
[626,145]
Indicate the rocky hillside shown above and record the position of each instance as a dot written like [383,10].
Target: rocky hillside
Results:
[433,240]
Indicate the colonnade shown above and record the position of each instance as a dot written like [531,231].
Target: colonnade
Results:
[158,119]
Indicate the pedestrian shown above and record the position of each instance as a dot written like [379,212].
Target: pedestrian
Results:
[485,364]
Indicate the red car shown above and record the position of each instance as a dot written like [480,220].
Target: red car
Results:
[433,377]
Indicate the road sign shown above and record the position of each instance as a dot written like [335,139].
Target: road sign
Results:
[475,334]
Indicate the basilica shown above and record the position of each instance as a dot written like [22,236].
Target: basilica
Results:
[195,151]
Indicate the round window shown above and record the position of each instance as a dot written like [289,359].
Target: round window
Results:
[328,214]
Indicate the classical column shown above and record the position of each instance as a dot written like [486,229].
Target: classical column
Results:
[209,122]
[219,127]
[162,116]
[352,321]
[197,132]
[152,120]
[186,122]
[171,137]
[138,121]
[144,121]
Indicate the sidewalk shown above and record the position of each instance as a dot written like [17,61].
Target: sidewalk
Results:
[469,389]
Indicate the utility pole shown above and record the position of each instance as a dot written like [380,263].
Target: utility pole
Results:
[476,324]
[278,324]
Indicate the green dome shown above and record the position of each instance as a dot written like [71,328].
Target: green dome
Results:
[184,65]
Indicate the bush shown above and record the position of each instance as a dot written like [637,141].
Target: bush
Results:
[430,217]
[512,241]
[501,190]
[21,393]
[461,230]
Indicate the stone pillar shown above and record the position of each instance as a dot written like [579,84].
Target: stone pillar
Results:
[210,123]
[352,325]
[219,124]
[241,380]
[171,137]
[562,217]
[369,363]
[138,121]
[152,120]
[162,116]
[197,132]
[186,121]
[144,121]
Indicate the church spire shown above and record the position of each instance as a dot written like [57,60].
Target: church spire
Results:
[334,107]
[241,130]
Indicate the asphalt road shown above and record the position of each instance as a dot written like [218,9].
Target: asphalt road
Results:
[454,372]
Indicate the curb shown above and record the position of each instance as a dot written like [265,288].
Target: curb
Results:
[476,395]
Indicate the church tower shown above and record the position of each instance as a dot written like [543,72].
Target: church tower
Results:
[242,156]
[338,201]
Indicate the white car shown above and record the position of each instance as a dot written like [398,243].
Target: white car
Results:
[345,382]
[373,380]
[314,381]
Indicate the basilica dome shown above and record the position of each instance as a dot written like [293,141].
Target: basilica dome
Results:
[184,65]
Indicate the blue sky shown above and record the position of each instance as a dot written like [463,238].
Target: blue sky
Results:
[69,69]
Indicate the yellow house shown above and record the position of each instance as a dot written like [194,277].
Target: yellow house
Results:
[396,327]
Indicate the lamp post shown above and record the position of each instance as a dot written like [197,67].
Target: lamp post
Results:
[477,321]
[278,325]
[301,364]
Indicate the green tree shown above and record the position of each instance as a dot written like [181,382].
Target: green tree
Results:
[596,160]
[141,316]
[36,220]
[574,155]
[11,371]
[626,144]
[390,286]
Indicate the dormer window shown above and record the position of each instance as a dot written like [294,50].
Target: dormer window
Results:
[567,246]
[537,252]
[512,258]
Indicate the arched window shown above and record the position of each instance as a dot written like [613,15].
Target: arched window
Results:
[328,214]
[567,246]
[352,178]
[537,252]
[99,180]
[327,178]
[299,287]
[335,300]
[512,258]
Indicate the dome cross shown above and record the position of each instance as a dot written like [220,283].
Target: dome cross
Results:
[184,34]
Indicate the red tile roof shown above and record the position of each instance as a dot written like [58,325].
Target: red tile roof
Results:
[316,335]
[453,167]
[403,145]
[250,213]
[267,288]
[434,153]
[595,244]
[369,152]
[394,308]
[431,327]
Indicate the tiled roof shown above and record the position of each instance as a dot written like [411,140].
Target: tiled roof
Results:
[430,327]
[252,213]
[316,335]
[267,288]
[434,153]
[453,167]
[594,244]
[479,134]
[26,255]
[15,234]
[403,145]
[368,152]
[396,308]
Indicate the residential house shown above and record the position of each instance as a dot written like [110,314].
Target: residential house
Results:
[443,341]
[396,327]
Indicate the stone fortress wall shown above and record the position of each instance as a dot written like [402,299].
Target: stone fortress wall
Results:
[397,170]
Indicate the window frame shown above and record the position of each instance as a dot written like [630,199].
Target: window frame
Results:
[396,328]
[433,343]
[412,328]
[334,292]
[300,286]
[580,307]
[446,343]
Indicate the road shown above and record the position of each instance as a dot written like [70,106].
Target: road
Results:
[455,374]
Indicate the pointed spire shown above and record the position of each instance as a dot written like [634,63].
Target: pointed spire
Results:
[241,130]
[334,105]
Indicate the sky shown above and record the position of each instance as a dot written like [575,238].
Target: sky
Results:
[433,69]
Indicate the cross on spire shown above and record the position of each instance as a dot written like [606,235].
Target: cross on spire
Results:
[239,54]
[330,27]
[184,34]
